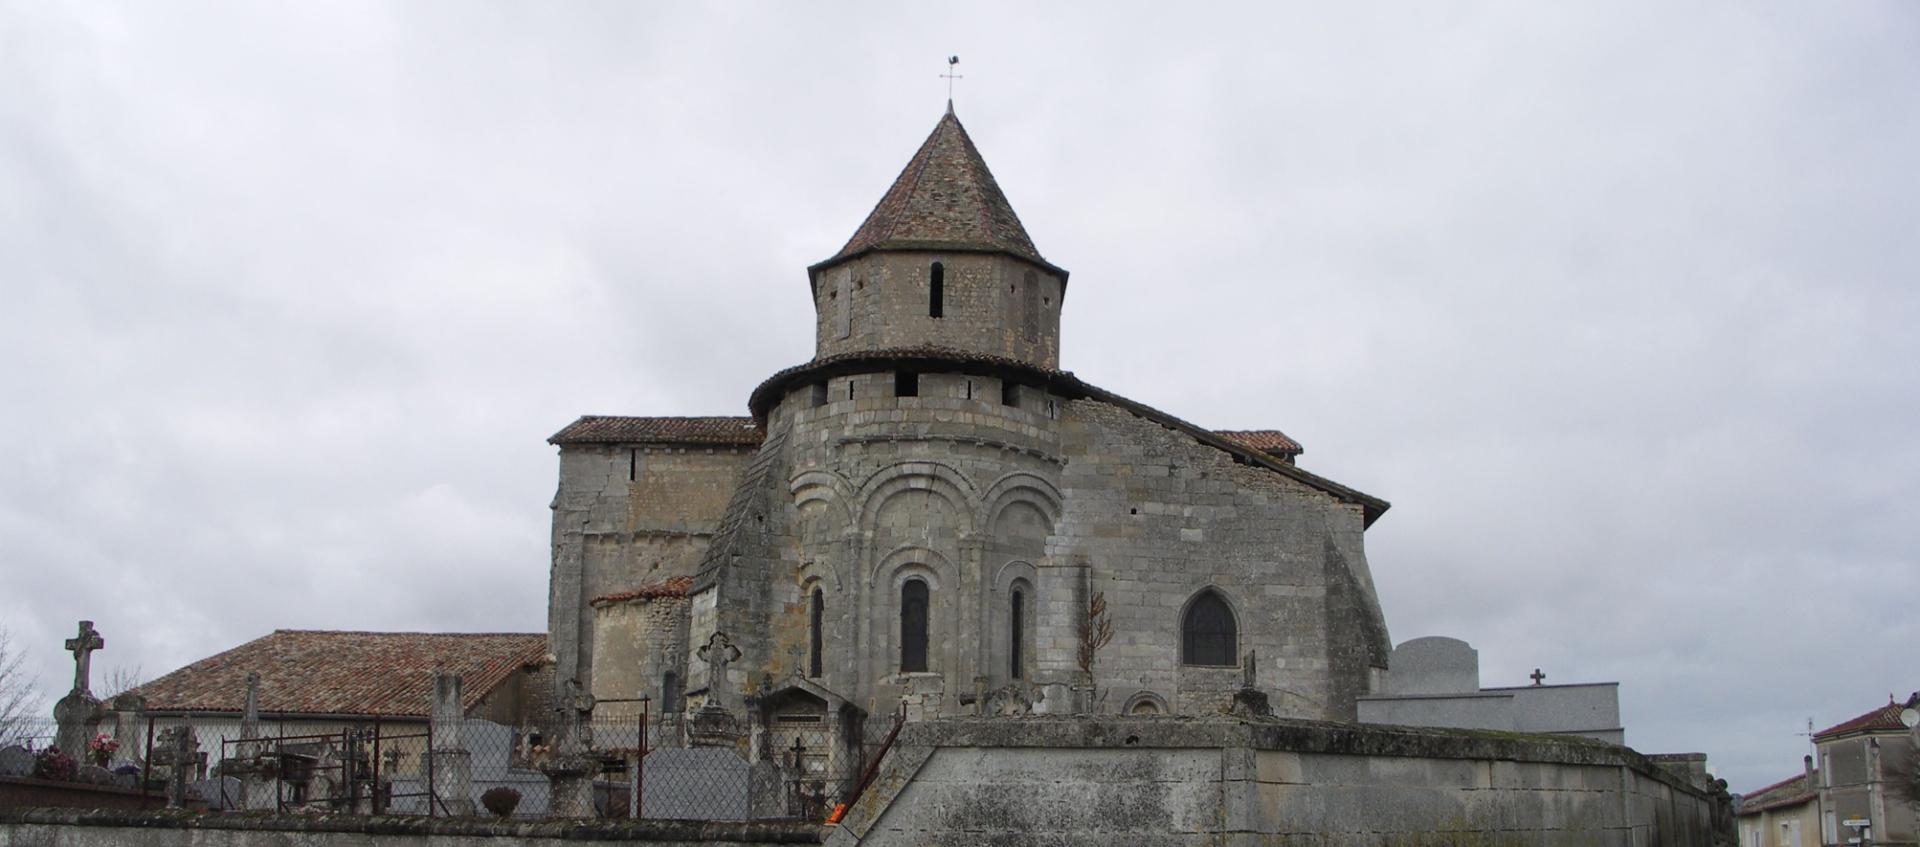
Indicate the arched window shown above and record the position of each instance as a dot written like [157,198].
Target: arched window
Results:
[816,641]
[937,291]
[1208,635]
[913,626]
[1016,641]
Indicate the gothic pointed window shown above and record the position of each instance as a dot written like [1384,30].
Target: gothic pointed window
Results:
[913,626]
[1016,641]
[815,625]
[937,291]
[1208,635]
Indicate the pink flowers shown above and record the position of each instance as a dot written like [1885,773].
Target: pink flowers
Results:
[100,750]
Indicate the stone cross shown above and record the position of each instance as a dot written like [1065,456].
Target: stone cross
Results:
[1537,676]
[82,647]
[250,746]
[718,653]
[251,713]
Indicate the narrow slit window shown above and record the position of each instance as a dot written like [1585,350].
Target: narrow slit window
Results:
[849,389]
[633,465]
[937,291]
[1017,619]
[1030,308]
[906,384]
[913,626]
[815,631]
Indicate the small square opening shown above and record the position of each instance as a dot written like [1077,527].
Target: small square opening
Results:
[906,384]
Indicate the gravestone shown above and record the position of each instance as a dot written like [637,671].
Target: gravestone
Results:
[79,713]
[129,711]
[569,767]
[93,775]
[177,751]
[252,758]
[452,763]
[16,761]
[714,724]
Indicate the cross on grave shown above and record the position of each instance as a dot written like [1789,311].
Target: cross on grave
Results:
[718,653]
[82,647]
[1537,676]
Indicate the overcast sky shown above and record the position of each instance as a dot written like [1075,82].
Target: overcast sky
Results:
[1614,302]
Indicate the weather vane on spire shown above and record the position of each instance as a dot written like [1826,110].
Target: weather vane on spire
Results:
[950,76]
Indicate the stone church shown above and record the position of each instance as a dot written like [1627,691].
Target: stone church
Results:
[925,512]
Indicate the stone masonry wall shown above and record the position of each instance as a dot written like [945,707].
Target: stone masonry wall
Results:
[627,516]
[993,304]
[1174,782]
[76,828]
[637,644]
[1160,517]
[860,491]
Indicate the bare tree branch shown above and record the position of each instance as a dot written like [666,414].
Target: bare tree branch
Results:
[1096,630]
[18,694]
[119,681]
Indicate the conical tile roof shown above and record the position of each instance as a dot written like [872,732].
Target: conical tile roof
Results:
[945,199]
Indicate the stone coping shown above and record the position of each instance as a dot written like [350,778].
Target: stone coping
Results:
[1280,735]
[80,787]
[746,832]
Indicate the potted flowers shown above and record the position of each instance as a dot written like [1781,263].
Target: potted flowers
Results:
[101,749]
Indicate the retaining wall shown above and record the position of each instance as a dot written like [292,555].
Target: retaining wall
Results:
[1169,781]
[75,828]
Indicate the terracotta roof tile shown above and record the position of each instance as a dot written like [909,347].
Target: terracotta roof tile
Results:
[345,673]
[1884,718]
[1270,441]
[1787,792]
[674,587]
[945,198]
[620,429]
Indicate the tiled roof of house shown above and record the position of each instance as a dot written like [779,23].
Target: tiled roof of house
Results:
[312,672]
[1791,791]
[944,199]
[673,587]
[1270,441]
[620,429]
[1884,718]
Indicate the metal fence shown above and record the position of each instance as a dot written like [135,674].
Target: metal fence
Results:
[774,766]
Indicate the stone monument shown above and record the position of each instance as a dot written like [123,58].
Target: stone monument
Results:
[569,767]
[177,753]
[714,725]
[452,762]
[79,713]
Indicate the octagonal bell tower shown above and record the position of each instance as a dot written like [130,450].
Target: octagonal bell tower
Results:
[941,263]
